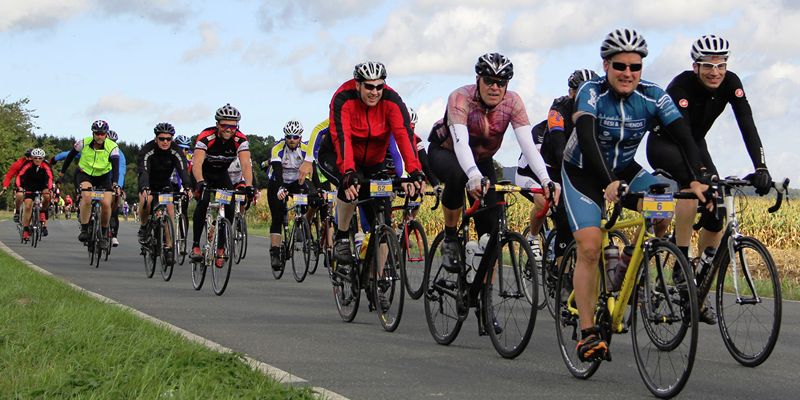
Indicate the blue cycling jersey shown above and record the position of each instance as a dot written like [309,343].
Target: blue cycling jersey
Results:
[621,122]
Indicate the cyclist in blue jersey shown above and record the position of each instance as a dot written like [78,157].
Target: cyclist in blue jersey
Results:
[612,114]
[115,202]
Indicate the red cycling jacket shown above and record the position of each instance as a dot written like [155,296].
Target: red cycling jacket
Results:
[13,171]
[360,134]
[33,178]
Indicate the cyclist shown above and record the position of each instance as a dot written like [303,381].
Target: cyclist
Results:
[611,116]
[123,168]
[465,140]
[13,171]
[364,113]
[35,176]
[214,151]
[98,169]
[550,137]
[184,143]
[421,152]
[157,159]
[68,204]
[284,178]
[702,94]
[125,209]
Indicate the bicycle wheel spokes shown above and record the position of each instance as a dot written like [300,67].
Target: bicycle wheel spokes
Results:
[414,247]
[221,274]
[346,289]
[297,253]
[444,312]
[510,314]
[549,273]
[664,323]
[567,321]
[167,232]
[749,303]
[388,291]
[199,266]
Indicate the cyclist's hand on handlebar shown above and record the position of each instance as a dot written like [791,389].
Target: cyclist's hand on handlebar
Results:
[417,185]
[350,185]
[282,192]
[699,190]
[477,186]
[554,189]
[761,181]
[306,169]
[612,194]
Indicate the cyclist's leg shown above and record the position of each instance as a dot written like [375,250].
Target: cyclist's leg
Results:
[26,213]
[522,179]
[18,197]
[277,211]
[444,165]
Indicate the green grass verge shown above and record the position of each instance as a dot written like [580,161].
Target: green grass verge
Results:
[58,343]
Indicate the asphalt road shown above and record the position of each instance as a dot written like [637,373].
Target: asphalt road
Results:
[295,327]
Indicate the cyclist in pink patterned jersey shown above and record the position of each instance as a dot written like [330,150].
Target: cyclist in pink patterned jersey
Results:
[465,140]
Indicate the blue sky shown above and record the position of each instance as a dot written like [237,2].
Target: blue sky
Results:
[136,63]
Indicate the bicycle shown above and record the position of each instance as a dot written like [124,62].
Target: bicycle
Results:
[217,229]
[35,224]
[159,232]
[325,228]
[95,229]
[748,288]
[182,223]
[663,313]
[413,244]
[239,229]
[376,268]
[504,306]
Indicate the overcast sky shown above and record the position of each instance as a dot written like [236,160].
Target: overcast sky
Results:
[135,63]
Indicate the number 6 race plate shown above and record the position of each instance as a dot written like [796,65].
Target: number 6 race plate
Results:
[658,206]
[380,188]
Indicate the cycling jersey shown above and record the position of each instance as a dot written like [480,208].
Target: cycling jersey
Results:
[35,178]
[286,162]
[123,169]
[360,134]
[316,139]
[235,172]
[551,136]
[220,153]
[155,166]
[13,171]
[701,107]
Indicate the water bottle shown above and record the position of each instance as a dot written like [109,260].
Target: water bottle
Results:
[622,266]
[611,254]
[362,253]
[705,263]
[470,252]
[359,240]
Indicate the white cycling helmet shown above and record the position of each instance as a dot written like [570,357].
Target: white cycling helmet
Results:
[412,115]
[228,113]
[369,71]
[623,41]
[293,127]
[710,45]
[37,152]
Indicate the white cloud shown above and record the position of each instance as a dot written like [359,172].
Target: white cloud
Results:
[278,14]
[119,103]
[190,114]
[172,12]
[209,43]
[38,14]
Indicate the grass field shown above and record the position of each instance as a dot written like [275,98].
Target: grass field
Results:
[57,343]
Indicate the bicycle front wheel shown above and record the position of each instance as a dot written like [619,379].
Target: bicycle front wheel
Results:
[664,319]
[346,288]
[297,249]
[238,241]
[388,290]
[167,231]
[444,296]
[414,245]
[749,302]
[222,273]
[199,266]
[149,253]
[567,319]
[183,229]
[509,308]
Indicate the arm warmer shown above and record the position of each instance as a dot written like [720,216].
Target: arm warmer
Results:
[463,152]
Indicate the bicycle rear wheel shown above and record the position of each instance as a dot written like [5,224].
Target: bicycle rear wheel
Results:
[510,311]
[549,276]
[388,290]
[167,232]
[567,319]
[221,275]
[414,245]
[444,296]
[664,320]
[749,322]
[297,249]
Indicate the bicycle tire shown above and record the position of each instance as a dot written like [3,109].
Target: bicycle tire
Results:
[238,239]
[504,298]
[300,259]
[538,270]
[220,276]
[312,246]
[442,313]
[414,245]
[167,231]
[549,276]
[199,267]
[668,336]
[183,229]
[760,265]
[150,256]
[389,283]
[244,237]
[567,321]
[278,273]
[346,285]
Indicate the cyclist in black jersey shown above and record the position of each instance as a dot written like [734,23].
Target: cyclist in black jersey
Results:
[701,95]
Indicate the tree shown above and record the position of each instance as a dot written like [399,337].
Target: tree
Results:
[16,134]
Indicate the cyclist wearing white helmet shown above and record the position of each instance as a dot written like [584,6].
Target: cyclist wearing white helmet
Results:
[611,116]
[35,176]
[701,95]
[12,172]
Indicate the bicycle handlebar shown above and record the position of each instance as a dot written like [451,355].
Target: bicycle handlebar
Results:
[513,189]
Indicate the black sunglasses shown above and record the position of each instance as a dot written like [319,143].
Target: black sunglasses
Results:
[371,87]
[492,81]
[620,66]
[164,138]
[293,137]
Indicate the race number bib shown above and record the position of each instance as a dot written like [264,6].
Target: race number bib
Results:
[98,195]
[658,206]
[300,199]
[164,198]
[380,188]
[224,197]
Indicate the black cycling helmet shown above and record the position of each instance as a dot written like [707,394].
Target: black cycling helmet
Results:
[496,65]
[164,127]
[28,153]
[580,76]
[100,126]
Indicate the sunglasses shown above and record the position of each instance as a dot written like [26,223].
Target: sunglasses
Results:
[38,158]
[710,65]
[164,138]
[371,87]
[100,133]
[620,66]
[293,137]
[230,127]
[492,81]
